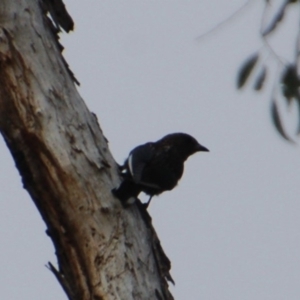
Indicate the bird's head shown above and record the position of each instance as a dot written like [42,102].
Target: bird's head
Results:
[184,143]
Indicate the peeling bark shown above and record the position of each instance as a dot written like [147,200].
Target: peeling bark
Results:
[104,251]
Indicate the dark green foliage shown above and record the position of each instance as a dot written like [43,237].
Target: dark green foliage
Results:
[290,83]
[276,20]
[287,80]
[260,79]
[277,121]
[279,16]
[246,70]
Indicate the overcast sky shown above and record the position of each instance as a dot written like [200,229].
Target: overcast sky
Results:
[231,227]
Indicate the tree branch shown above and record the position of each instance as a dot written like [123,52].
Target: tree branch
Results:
[103,250]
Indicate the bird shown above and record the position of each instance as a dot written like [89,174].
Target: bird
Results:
[155,167]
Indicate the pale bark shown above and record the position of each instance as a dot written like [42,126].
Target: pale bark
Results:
[104,251]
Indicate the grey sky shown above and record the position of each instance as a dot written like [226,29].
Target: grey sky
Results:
[231,227]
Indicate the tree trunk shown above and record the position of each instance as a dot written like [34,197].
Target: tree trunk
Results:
[104,251]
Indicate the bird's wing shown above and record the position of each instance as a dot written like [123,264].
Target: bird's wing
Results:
[137,160]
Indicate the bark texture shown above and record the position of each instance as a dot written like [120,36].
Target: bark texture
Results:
[104,251]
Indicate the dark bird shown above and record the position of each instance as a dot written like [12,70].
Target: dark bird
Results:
[155,167]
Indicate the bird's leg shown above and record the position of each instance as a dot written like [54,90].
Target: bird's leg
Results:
[147,204]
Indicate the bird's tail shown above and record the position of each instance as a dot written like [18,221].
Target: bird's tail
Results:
[127,192]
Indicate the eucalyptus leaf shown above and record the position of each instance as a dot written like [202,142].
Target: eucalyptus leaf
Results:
[246,69]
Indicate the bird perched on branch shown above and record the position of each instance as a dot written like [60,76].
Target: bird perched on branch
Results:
[155,167]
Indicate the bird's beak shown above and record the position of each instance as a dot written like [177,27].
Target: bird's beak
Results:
[202,148]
